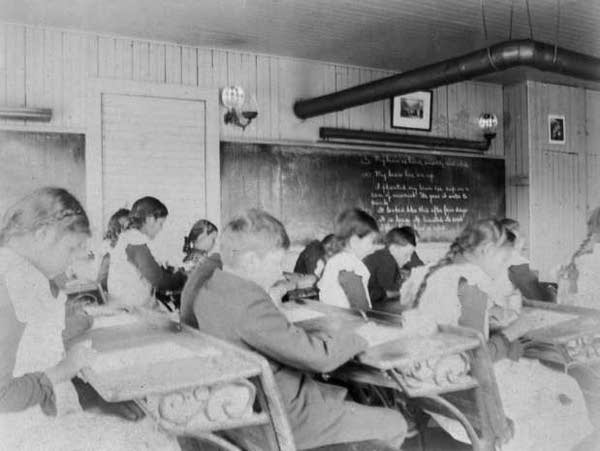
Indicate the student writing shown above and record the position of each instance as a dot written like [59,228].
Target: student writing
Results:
[344,282]
[40,409]
[234,305]
[384,266]
[134,272]
[117,223]
[545,406]
[200,266]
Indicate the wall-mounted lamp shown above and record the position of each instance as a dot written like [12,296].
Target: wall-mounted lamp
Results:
[29,114]
[241,110]
[488,123]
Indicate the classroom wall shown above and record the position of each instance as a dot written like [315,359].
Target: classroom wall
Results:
[551,187]
[45,67]
[48,68]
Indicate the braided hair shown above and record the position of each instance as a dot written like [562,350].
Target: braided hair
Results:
[473,236]
[201,227]
[49,206]
[116,226]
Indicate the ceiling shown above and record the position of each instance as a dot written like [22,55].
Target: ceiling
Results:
[390,34]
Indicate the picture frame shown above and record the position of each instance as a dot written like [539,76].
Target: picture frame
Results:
[557,130]
[412,111]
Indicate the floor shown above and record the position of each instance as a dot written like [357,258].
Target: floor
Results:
[435,440]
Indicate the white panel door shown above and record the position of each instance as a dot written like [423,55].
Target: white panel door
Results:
[558,203]
[160,141]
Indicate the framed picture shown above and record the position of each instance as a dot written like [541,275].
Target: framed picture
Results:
[412,110]
[557,132]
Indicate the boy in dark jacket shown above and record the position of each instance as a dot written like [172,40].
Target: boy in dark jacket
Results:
[234,305]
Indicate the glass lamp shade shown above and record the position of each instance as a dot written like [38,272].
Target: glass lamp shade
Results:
[233,97]
[488,122]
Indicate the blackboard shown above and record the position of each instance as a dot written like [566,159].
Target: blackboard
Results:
[308,186]
[31,160]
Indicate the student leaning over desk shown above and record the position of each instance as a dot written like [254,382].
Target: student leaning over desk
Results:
[234,305]
[198,244]
[345,279]
[199,265]
[384,266]
[39,407]
[546,406]
[134,272]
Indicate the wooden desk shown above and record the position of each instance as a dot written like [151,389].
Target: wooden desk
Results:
[215,364]
[576,341]
[415,367]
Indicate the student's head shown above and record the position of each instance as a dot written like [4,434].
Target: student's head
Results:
[201,238]
[484,243]
[148,215]
[357,231]
[253,245]
[48,227]
[118,222]
[409,234]
[400,244]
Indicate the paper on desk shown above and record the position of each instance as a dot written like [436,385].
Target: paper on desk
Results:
[298,314]
[148,355]
[120,319]
[376,334]
[535,319]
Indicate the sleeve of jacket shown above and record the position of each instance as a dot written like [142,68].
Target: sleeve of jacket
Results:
[528,283]
[195,281]
[268,331]
[354,289]
[27,390]
[376,289]
[158,277]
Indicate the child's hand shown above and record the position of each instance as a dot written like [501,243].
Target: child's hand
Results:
[279,290]
[79,356]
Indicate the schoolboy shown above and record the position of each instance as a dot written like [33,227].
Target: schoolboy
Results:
[234,305]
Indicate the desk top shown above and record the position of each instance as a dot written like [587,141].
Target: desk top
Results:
[399,353]
[579,322]
[202,360]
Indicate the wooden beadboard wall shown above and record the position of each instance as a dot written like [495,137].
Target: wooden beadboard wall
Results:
[43,67]
[551,188]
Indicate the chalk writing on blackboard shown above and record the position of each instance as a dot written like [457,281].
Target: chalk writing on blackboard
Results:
[307,187]
[412,190]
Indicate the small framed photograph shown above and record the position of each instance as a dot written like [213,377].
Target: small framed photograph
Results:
[412,110]
[557,132]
